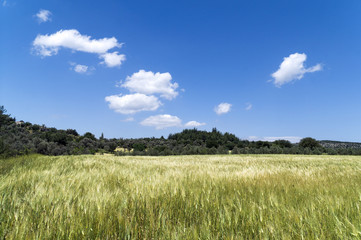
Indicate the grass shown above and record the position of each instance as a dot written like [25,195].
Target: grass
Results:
[181,197]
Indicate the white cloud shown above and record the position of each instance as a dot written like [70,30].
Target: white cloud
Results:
[223,108]
[162,121]
[80,68]
[193,124]
[73,40]
[4,3]
[152,83]
[249,106]
[292,68]
[49,45]
[112,59]
[132,103]
[292,139]
[43,16]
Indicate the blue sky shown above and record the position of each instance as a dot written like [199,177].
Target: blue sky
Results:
[258,69]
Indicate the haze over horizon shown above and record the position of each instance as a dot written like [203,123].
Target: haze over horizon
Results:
[259,69]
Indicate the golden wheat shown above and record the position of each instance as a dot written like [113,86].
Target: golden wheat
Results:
[181,197]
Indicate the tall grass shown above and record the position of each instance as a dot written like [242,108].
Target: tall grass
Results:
[181,197]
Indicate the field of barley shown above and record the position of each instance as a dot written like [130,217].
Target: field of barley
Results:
[180,197]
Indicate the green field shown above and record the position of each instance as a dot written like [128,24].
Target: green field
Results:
[181,197]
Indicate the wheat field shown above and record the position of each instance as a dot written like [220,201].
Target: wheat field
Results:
[180,197]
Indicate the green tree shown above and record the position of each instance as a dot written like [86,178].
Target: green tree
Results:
[309,143]
[283,143]
[235,150]
[5,119]
[90,136]
[72,132]
[139,147]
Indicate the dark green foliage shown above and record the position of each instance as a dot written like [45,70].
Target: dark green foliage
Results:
[4,148]
[235,150]
[283,143]
[72,132]
[110,146]
[19,138]
[5,119]
[309,143]
[90,136]
[139,147]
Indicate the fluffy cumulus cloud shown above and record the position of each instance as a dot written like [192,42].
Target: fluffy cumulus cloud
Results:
[152,83]
[113,59]
[292,68]
[223,108]
[192,124]
[162,121]
[49,45]
[43,16]
[132,103]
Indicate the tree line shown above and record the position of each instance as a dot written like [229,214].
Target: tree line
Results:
[19,138]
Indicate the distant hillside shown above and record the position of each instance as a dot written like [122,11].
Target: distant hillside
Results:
[19,138]
[337,144]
